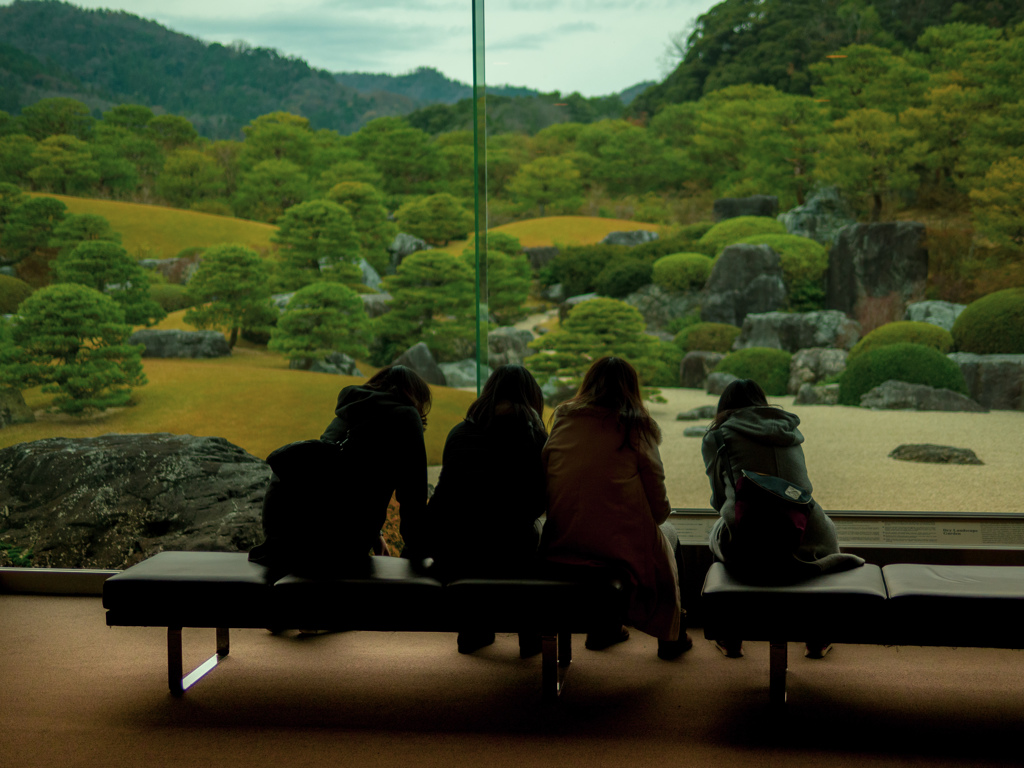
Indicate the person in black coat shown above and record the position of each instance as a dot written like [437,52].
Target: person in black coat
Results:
[327,500]
[484,514]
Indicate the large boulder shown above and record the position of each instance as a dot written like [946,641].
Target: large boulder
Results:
[876,270]
[825,394]
[420,359]
[280,300]
[814,365]
[717,382]
[659,307]
[540,256]
[940,313]
[900,395]
[746,279]
[376,304]
[337,363]
[176,270]
[934,454]
[634,237]
[696,366]
[159,343]
[755,205]
[798,330]
[569,304]
[13,409]
[371,277]
[461,373]
[820,218]
[404,245]
[508,346]
[112,501]
[995,381]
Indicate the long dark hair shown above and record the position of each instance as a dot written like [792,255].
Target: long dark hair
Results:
[612,383]
[741,393]
[405,382]
[510,389]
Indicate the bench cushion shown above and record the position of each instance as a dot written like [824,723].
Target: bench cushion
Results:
[384,594]
[837,607]
[956,605]
[189,589]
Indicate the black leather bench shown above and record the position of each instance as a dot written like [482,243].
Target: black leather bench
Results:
[900,604]
[223,590]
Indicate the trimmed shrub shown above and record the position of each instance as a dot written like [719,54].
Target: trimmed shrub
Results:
[682,271]
[768,367]
[905,332]
[622,277]
[12,292]
[707,337]
[577,267]
[733,230]
[804,264]
[170,296]
[912,363]
[993,324]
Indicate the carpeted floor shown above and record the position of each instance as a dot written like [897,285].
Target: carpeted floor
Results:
[76,693]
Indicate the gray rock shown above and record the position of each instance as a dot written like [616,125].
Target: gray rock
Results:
[203,344]
[13,409]
[899,395]
[798,330]
[820,218]
[112,501]
[696,366]
[935,454]
[940,313]
[876,270]
[695,431]
[554,292]
[420,359]
[376,304]
[700,413]
[813,365]
[371,277]
[809,394]
[717,382]
[176,270]
[569,304]
[558,389]
[461,373]
[338,364]
[995,381]
[8,270]
[280,300]
[635,237]
[755,205]
[508,346]
[659,307]
[746,279]
[404,245]
[540,256]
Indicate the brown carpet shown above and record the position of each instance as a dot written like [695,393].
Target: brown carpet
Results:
[76,693]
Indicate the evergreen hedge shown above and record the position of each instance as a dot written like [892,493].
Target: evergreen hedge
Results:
[993,324]
[680,272]
[768,367]
[12,292]
[912,363]
[707,337]
[904,332]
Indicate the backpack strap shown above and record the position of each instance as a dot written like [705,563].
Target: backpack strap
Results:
[723,454]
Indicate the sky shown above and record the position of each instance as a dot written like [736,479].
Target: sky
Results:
[595,47]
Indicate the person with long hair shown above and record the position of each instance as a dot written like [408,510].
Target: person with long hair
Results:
[329,507]
[607,503]
[755,436]
[483,517]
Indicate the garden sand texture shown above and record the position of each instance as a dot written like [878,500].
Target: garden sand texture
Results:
[847,451]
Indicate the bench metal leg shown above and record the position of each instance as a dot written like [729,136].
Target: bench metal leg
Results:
[556,656]
[777,664]
[175,681]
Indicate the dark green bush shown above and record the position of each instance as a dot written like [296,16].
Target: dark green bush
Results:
[804,264]
[708,337]
[768,367]
[904,332]
[912,363]
[733,230]
[170,296]
[577,266]
[12,292]
[621,277]
[993,324]
[682,272]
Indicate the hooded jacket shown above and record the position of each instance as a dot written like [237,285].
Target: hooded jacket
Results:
[766,439]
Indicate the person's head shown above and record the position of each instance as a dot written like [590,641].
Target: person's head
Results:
[612,383]
[742,393]
[510,389]
[405,382]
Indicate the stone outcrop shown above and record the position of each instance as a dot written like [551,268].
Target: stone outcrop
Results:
[404,245]
[746,279]
[376,304]
[940,313]
[176,270]
[338,363]
[508,346]
[112,501]
[820,218]
[755,205]
[634,237]
[540,256]
[814,365]
[876,270]
[900,395]
[935,454]
[696,366]
[280,300]
[13,409]
[421,359]
[695,431]
[569,304]
[700,413]
[203,344]
[717,382]
[659,306]
[371,277]
[461,373]
[792,331]
[557,389]
[995,381]
[825,394]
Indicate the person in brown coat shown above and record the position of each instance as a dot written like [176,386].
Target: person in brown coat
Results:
[607,501]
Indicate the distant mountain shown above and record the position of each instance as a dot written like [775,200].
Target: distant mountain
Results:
[424,86]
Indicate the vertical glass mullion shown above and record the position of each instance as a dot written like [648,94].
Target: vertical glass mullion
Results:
[480,192]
